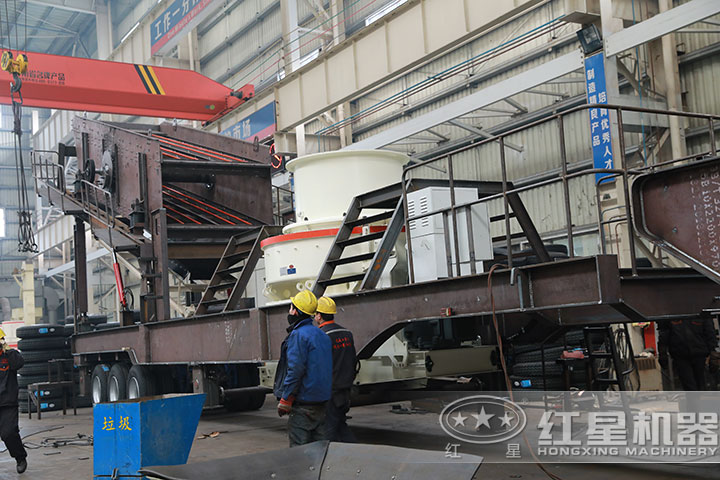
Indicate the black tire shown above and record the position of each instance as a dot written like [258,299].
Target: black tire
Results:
[40,331]
[117,382]
[39,368]
[96,319]
[99,383]
[44,356]
[83,402]
[535,383]
[535,369]
[50,393]
[25,380]
[141,382]
[46,343]
[107,326]
[238,404]
[551,354]
[257,400]
[45,406]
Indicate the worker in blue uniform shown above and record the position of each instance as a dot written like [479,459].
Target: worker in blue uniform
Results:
[10,362]
[303,379]
[344,360]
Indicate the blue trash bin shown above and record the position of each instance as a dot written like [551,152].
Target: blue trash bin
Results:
[146,431]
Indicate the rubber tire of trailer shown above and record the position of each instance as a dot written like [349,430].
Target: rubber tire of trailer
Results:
[99,383]
[140,383]
[118,382]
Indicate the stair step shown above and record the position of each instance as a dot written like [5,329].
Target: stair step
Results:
[361,239]
[227,271]
[353,259]
[607,380]
[338,281]
[595,329]
[600,355]
[212,302]
[221,286]
[371,219]
[236,257]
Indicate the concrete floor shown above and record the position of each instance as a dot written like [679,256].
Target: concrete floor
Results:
[243,433]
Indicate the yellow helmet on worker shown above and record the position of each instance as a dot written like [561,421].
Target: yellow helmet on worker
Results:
[326,305]
[306,302]
[2,333]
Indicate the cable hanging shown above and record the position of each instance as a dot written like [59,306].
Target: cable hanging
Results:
[16,67]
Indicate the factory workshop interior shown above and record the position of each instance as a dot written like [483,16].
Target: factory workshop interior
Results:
[359,239]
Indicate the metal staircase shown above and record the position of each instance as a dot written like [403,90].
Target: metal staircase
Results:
[598,356]
[240,256]
[388,199]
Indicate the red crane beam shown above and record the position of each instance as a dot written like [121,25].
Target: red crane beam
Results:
[70,83]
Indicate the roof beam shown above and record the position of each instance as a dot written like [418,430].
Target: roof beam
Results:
[661,24]
[80,6]
[494,93]
[399,42]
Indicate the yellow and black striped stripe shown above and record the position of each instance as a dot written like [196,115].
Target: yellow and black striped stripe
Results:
[149,79]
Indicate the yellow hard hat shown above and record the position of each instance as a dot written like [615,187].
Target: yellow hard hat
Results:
[305,301]
[326,305]
[2,333]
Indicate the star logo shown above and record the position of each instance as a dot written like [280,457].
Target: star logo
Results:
[482,418]
[459,419]
[505,420]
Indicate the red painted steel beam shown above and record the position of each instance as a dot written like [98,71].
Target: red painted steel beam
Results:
[69,83]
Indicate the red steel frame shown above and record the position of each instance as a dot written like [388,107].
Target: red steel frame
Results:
[69,83]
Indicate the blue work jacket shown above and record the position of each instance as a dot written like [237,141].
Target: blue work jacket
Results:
[305,366]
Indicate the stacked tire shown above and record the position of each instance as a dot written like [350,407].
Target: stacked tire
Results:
[531,361]
[38,345]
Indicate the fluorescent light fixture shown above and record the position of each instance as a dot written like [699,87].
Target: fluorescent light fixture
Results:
[375,16]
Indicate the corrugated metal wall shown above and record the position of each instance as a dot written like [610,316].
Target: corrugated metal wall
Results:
[540,145]
[242,43]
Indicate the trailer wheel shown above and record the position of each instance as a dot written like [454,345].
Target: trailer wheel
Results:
[117,382]
[140,382]
[238,404]
[99,382]
[257,400]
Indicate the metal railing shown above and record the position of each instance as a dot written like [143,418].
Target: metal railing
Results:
[50,175]
[97,202]
[279,202]
[621,172]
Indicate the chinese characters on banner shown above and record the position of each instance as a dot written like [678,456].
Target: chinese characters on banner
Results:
[177,20]
[260,124]
[599,117]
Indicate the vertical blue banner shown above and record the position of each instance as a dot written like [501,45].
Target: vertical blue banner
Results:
[600,131]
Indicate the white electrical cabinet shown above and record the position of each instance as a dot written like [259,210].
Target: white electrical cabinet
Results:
[427,235]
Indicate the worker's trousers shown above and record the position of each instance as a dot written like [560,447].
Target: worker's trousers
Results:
[336,417]
[306,424]
[691,371]
[10,433]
